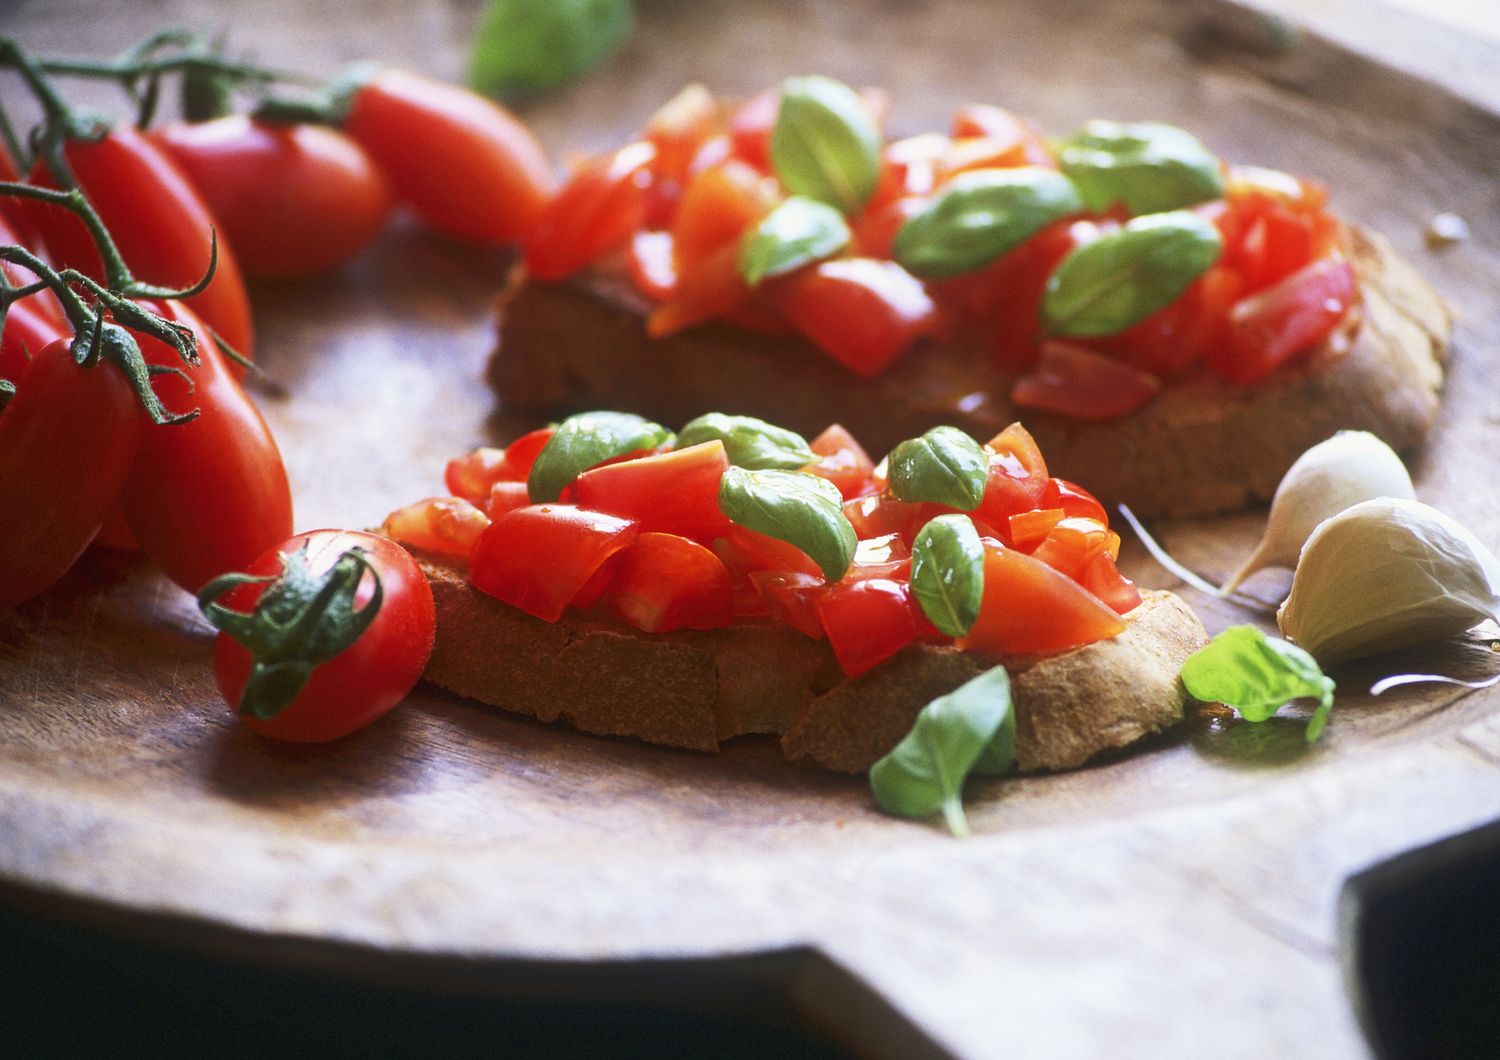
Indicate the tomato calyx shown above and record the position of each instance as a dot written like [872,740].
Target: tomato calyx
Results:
[300,621]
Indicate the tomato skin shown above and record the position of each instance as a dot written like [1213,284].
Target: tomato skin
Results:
[67,439]
[465,164]
[44,303]
[1269,328]
[598,208]
[1017,480]
[673,493]
[1073,499]
[159,222]
[539,557]
[842,461]
[792,597]
[27,329]
[1101,577]
[293,200]
[1029,607]
[449,525]
[759,551]
[365,680]
[863,312]
[1081,384]
[664,582]
[1071,544]
[867,621]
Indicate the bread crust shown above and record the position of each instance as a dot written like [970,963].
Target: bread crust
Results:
[1202,446]
[695,689]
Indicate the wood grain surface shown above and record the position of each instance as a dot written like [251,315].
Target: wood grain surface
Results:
[1179,900]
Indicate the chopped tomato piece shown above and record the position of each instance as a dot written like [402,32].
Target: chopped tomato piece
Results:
[537,558]
[760,552]
[1009,292]
[887,556]
[522,453]
[875,231]
[1029,529]
[994,152]
[716,150]
[594,212]
[1101,577]
[1268,329]
[675,492]
[664,582]
[878,515]
[1018,477]
[750,128]
[792,597]
[1001,127]
[867,621]
[679,128]
[1078,383]
[718,207]
[863,312]
[1074,500]
[1179,336]
[711,287]
[842,461]
[470,476]
[1071,544]
[507,497]
[651,264]
[449,525]
[909,167]
[1029,607]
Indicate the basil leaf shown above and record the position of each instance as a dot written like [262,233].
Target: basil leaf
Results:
[584,440]
[945,465]
[523,47]
[795,507]
[1123,277]
[796,233]
[749,442]
[925,772]
[1256,674]
[825,144]
[979,216]
[947,573]
[1148,166]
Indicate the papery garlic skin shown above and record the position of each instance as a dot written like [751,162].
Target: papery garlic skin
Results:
[1386,574]
[1335,474]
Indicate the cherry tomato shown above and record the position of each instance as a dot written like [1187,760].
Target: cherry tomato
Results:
[537,558]
[209,495]
[463,163]
[664,582]
[449,525]
[369,677]
[1268,329]
[875,231]
[159,222]
[867,621]
[1029,607]
[594,212]
[673,493]
[292,199]
[842,461]
[1081,384]
[67,439]
[863,312]
[1178,337]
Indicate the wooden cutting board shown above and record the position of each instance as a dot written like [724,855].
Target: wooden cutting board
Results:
[1180,899]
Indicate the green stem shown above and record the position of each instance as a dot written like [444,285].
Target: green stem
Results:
[75,201]
[953,815]
[78,314]
[19,156]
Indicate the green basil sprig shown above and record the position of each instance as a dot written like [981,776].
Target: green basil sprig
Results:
[795,507]
[971,730]
[945,466]
[798,232]
[585,440]
[523,47]
[749,442]
[981,215]
[1256,675]
[1148,166]
[825,144]
[947,573]
[1124,276]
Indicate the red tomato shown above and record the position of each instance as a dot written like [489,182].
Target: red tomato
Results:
[792,597]
[750,128]
[673,493]
[760,552]
[449,525]
[718,207]
[26,330]
[1029,607]
[1071,544]
[44,303]
[1178,337]
[875,231]
[862,312]
[292,199]
[1101,577]
[1018,477]
[537,558]
[594,212]
[711,288]
[653,270]
[505,497]
[464,163]
[876,516]
[680,128]
[664,582]
[867,621]
[1074,500]
[1268,329]
[909,168]
[1076,382]
[472,475]
[67,439]
[158,221]
[366,679]
[1009,292]
[842,461]
[1029,529]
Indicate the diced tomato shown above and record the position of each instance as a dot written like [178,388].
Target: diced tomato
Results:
[842,461]
[652,267]
[1179,336]
[674,493]
[1076,501]
[716,150]
[717,208]
[522,453]
[679,128]
[875,230]
[863,312]
[761,552]
[750,128]
[909,167]
[1081,384]
[867,621]
[507,497]
[1268,329]
[594,212]
[1028,529]
[537,558]
[878,515]
[1071,544]
[792,597]
[1029,607]
[1101,577]
[470,476]
[449,525]
[711,287]
[664,582]
[1018,477]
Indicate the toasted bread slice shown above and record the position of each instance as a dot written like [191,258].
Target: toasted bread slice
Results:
[582,344]
[696,689]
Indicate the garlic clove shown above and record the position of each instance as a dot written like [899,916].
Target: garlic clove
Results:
[1385,574]
[1350,467]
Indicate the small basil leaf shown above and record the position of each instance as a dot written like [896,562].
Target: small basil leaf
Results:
[981,215]
[947,573]
[798,232]
[749,442]
[1256,674]
[945,466]
[584,440]
[825,144]
[1124,276]
[522,47]
[1148,166]
[795,507]
[925,772]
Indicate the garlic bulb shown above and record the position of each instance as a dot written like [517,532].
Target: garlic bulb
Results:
[1386,574]
[1350,467]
